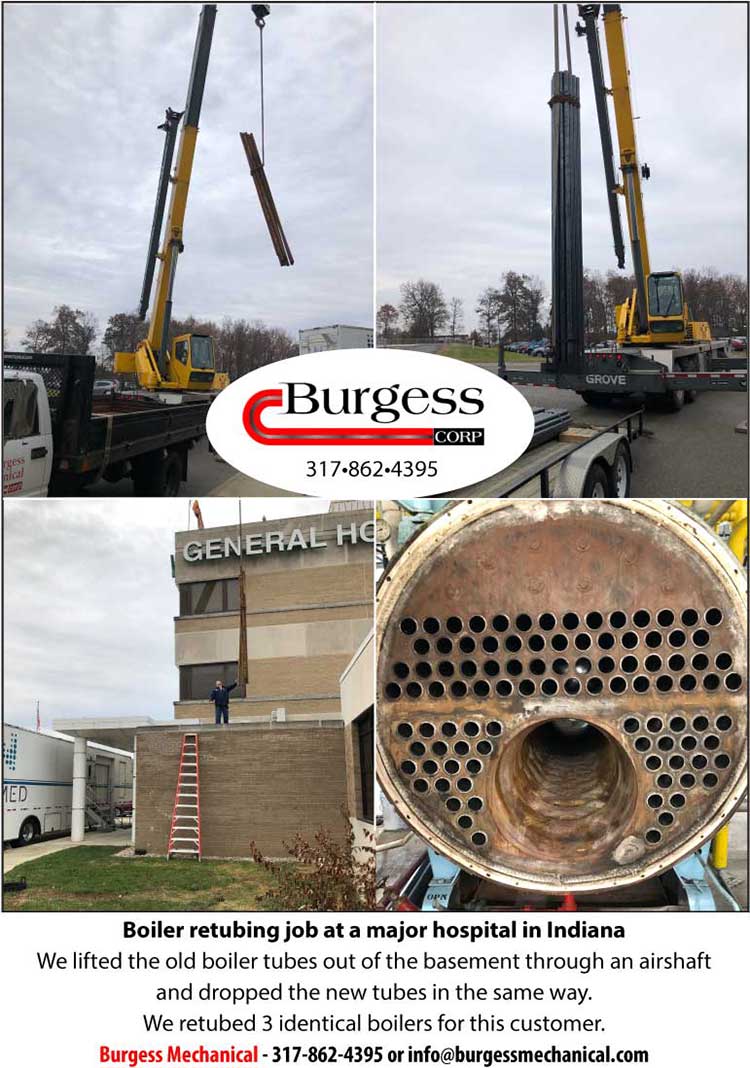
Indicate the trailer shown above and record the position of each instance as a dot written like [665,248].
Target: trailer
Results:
[38,785]
[59,436]
[567,459]
[676,375]
[324,338]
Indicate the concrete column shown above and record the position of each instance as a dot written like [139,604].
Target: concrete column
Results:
[78,815]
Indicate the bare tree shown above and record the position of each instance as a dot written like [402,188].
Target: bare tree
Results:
[456,312]
[123,333]
[69,331]
[387,319]
[423,308]
[486,309]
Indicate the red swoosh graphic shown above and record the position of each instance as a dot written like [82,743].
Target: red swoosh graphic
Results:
[344,435]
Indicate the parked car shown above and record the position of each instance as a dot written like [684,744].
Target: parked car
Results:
[739,344]
[102,386]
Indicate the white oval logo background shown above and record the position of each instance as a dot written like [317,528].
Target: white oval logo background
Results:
[345,455]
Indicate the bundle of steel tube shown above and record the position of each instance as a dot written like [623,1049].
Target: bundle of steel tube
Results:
[275,229]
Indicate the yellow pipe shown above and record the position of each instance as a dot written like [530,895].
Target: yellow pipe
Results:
[720,848]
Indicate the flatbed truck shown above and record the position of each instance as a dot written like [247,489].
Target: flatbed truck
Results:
[59,438]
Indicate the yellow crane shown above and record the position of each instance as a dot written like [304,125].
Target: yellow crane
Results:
[189,363]
[656,312]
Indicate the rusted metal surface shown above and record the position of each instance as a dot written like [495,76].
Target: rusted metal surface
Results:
[562,689]
[270,214]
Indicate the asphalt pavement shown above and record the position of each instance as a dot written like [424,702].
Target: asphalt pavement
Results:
[695,452]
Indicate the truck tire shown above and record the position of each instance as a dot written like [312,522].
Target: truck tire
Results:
[596,400]
[691,396]
[596,483]
[674,400]
[621,471]
[157,474]
[30,831]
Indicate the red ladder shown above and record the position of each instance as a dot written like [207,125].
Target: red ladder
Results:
[185,831]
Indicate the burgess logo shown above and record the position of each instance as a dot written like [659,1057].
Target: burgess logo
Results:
[370,422]
[383,406]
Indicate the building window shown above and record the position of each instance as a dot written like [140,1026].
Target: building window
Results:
[220,595]
[364,740]
[197,680]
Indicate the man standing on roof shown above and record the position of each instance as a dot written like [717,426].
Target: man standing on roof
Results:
[220,697]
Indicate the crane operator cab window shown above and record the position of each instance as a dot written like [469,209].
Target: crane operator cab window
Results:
[202,353]
[181,350]
[664,299]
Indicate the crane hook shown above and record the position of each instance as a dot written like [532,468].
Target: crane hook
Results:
[261,12]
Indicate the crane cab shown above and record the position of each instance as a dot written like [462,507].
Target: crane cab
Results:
[668,318]
[192,365]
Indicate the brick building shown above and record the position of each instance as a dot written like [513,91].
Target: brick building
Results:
[290,761]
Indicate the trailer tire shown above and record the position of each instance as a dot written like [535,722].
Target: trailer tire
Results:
[30,831]
[596,483]
[674,400]
[622,468]
[691,396]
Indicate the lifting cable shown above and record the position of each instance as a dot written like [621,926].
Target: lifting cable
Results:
[260,11]
[256,160]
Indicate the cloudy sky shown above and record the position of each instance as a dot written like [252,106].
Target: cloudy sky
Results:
[85,87]
[463,131]
[89,602]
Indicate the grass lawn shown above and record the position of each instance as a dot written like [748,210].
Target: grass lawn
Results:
[478,354]
[93,879]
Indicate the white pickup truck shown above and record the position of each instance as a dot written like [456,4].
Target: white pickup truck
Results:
[60,433]
[27,436]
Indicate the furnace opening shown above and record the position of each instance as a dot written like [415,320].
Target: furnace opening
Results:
[567,791]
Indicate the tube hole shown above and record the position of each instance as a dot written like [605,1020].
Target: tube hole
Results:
[477,624]
[500,623]
[547,621]
[431,625]
[454,625]
[594,620]
[408,626]
[467,644]
[444,646]
[559,643]
[665,618]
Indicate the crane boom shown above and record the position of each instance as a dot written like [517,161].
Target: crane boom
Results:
[589,13]
[631,176]
[158,335]
[656,312]
[190,364]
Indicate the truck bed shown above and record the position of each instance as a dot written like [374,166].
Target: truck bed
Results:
[91,433]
